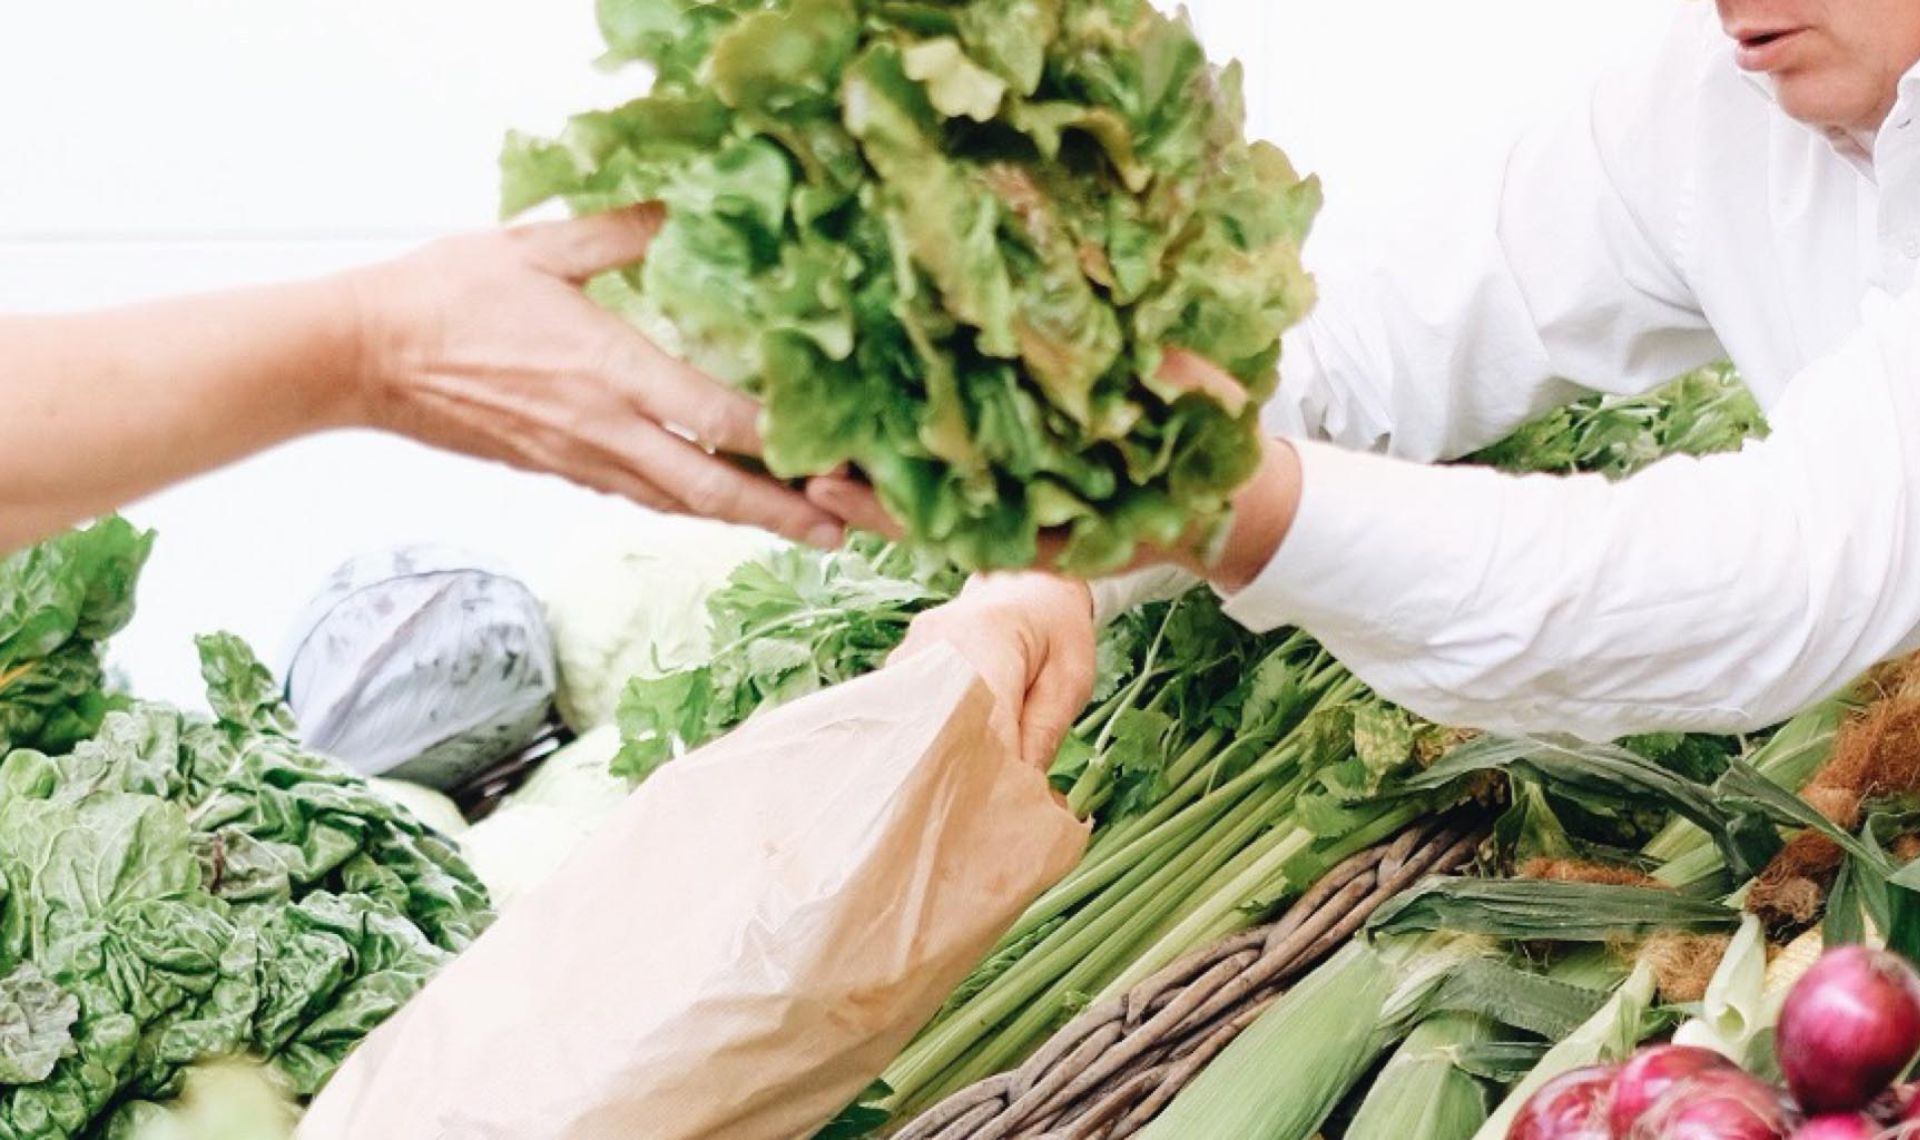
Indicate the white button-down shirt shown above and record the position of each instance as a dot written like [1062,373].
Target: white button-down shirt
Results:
[1678,216]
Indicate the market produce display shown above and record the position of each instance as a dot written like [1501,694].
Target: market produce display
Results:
[1226,773]
[200,917]
[949,244]
[263,909]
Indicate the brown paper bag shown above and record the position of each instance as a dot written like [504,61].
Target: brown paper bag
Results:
[743,945]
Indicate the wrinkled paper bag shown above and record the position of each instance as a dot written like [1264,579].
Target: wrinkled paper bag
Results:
[744,945]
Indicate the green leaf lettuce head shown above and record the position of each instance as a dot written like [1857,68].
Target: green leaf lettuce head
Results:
[947,243]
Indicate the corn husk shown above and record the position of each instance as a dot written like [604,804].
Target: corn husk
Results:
[1423,1093]
[1285,1075]
[1608,1036]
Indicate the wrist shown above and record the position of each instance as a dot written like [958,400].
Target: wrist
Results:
[313,362]
[1263,513]
[1051,593]
[368,299]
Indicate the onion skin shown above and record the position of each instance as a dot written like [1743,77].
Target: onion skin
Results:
[1723,1104]
[1571,1106]
[1840,1126]
[1848,1028]
[1649,1074]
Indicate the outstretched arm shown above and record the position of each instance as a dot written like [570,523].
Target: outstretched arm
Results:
[483,344]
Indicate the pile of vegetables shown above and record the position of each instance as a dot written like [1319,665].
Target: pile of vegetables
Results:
[1849,1028]
[195,908]
[948,243]
[1226,772]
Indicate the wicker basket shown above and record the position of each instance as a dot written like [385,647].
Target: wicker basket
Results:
[1110,1071]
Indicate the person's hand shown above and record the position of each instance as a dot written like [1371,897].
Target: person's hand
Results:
[1263,510]
[485,344]
[1031,638]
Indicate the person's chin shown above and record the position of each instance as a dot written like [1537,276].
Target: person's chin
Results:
[1814,98]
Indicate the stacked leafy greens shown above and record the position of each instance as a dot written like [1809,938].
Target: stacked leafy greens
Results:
[178,889]
[948,243]
[58,602]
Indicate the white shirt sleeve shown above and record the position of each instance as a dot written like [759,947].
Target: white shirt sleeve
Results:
[1514,290]
[1712,594]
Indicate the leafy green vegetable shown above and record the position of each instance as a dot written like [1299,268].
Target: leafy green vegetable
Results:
[36,1025]
[1523,909]
[786,624]
[948,243]
[58,601]
[1698,414]
[177,889]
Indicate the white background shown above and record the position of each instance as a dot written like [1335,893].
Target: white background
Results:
[158,146]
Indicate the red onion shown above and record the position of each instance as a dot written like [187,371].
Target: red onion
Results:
[1647,1076]
[1721,1104]
[1839,1126]
[1848,1027]
[1571,1106]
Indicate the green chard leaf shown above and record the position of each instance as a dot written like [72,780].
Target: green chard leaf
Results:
[36,1025]
[178,890]
[58,600]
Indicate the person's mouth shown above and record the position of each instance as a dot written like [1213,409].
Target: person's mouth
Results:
[1763,49]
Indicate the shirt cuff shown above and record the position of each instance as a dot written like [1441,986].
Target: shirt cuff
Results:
[1364,542]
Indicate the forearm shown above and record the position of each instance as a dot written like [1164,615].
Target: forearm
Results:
[1701,594]
[106,407]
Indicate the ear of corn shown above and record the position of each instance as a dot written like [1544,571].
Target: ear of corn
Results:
[1734,1014]
[1285,1075]
[1423,1093]
[1607,1036]
[1796,959]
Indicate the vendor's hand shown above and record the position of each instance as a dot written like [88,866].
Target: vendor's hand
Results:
[1031,638]
[1263,510]
[486,344]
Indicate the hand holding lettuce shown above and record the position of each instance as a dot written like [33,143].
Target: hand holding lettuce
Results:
[948,245]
